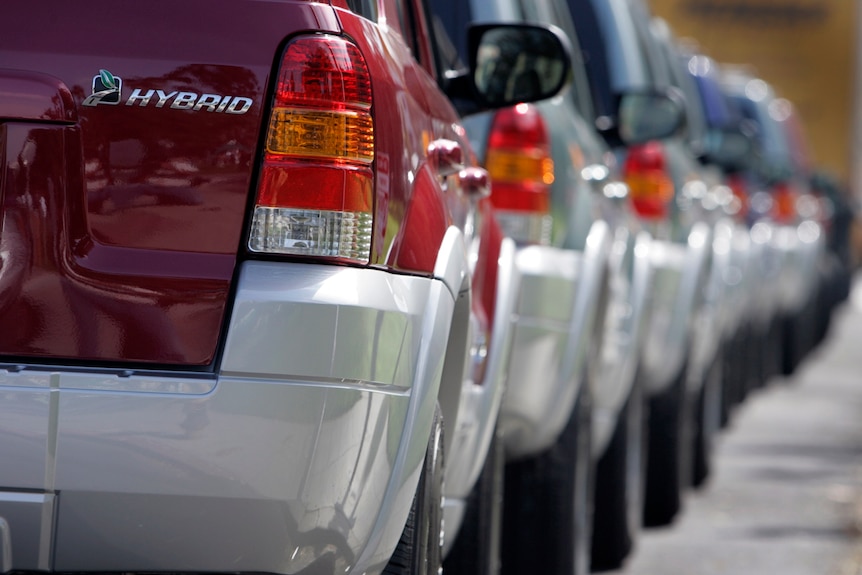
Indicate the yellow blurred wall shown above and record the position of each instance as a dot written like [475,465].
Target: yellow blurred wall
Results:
[804,48]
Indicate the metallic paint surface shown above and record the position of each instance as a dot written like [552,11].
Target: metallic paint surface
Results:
[122,229]
[554,339]
[680,271]
[629,313]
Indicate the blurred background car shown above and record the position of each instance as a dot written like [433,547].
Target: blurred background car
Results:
[629,53]
[572,414]
[785,215]
[726,145]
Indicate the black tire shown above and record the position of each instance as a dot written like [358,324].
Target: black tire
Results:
[620,475]
[669,453]
[547,515]
[477,548]
[707,422]
[735,373]
[419,551]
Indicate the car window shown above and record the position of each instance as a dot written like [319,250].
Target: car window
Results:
[614,54]
[365,8]
[407,23]
[678,77]
[449,23]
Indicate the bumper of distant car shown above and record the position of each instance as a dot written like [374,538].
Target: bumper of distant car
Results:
[679,275]
[561,291]
[480,401]
[627,317]
[306,447]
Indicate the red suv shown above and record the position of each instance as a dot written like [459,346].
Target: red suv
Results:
[246,278]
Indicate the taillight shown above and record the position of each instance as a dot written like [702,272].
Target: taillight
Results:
[316,190]
[521,168]
[784,203]
[650,185]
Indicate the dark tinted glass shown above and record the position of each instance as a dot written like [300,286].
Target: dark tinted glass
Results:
[450,20]
[365,8]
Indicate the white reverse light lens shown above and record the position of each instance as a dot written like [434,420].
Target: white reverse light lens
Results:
[311,233]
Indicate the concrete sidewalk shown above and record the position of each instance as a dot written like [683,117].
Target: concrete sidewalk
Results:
[786,491]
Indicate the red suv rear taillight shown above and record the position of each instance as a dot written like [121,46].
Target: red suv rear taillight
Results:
[650,185]
[522,171]
[316,190]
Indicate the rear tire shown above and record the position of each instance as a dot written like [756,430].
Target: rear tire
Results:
[669,454]
[419,552]
[707,422]
[476,550]
[547,514]
[619,486]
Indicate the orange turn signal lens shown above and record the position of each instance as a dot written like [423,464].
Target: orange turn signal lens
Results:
[520,166]
[339,135]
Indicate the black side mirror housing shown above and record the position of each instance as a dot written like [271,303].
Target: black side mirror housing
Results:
[510,64]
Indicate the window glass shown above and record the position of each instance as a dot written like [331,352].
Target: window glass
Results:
[365,8]
[407,22]
[615,56]
[556,13]
[450,19]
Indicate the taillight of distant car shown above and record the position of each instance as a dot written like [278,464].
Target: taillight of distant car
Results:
[650,185]
[522,171]
[316,190]
[784,203]
[740,205]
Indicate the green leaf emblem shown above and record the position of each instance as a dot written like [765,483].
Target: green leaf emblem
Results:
[108,79]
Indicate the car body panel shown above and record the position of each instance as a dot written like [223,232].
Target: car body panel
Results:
[680,272]
[628,316]
[559,313]
[481,400]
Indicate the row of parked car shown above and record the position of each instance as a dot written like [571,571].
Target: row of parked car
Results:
[383,286]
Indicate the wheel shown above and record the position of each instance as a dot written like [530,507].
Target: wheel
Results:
[668,456]
[477,548]
[733,373]
[619,486]
[419,551]
[707,422]
[547,515]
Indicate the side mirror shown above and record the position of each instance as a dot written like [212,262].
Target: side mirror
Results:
[644,116]
[728,148]
[511,64]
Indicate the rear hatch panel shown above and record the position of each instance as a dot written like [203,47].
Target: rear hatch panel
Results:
[126,174]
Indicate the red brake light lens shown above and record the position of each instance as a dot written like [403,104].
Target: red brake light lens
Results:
[650,186]
[784,205]
[316,191]
[522,171]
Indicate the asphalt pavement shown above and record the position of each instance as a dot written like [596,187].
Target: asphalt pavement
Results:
[785,495]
